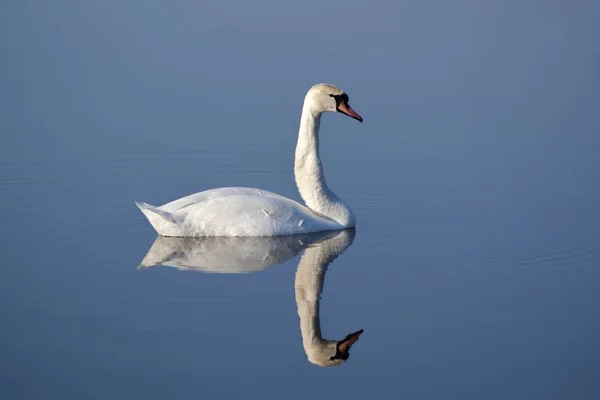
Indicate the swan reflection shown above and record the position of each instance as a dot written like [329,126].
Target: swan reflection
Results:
[310,277]
[232,255]
[247,254]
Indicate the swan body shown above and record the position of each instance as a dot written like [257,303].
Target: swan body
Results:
[239,211]
[235,211]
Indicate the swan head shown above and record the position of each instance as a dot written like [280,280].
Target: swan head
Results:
[324,97]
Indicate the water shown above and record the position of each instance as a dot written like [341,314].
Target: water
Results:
[474,268]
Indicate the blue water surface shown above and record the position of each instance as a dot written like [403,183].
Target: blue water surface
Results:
[475,265]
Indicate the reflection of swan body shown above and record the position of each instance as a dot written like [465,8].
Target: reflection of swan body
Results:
[228,254]
[254,212]
[235,255]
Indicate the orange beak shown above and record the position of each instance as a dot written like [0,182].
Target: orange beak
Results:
[346,109]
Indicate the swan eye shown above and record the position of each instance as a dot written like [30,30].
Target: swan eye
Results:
[340,98]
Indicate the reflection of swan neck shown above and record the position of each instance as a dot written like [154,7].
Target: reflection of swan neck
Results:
[309,175]
[309,285]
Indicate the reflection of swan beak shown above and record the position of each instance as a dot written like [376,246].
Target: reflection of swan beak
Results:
[343,346]
[349,340]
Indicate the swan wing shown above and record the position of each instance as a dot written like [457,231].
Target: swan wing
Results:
[211,194]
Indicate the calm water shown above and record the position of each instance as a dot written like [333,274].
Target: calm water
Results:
[475,266]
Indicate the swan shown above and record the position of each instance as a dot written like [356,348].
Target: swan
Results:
[240,211]
[248,254]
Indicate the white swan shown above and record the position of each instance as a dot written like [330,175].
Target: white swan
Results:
[238,211]
[247,254]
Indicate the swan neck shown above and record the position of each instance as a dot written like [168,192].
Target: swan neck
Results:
[309,174]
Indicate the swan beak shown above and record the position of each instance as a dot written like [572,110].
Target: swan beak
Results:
[346,109]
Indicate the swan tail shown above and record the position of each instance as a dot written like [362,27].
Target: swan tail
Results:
[163,222]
